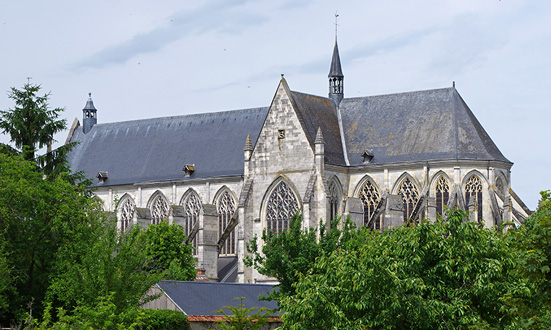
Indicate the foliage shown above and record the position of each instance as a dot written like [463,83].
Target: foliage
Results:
[103,315]
[165,246]
[31,125]
[242,318]
[531,301]
[37,218]
[290,253]
[103,261]
[445,275]
[5,279]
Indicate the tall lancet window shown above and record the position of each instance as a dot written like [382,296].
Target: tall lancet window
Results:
[442,195]
[226,208]
[160,210]
[370,198]
[473,191]
[410,196]
[127,210]
[192,208]
[334,201]
[282,205]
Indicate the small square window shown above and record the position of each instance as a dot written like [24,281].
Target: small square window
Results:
[280,133]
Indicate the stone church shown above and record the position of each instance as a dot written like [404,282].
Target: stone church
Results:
[227,176]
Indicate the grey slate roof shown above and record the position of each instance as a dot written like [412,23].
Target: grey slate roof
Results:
[415,126]
[157,149]
[319,112]
[204,298]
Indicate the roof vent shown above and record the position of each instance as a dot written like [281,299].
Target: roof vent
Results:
[189,169]
[102,176]
[367,155]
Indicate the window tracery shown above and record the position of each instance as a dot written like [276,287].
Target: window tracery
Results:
[226,208]
[192,208]
[160,209]
[334,200]
[442,195]
[370,197]
[473,191]
[126,213]
[282,205]
[410,196]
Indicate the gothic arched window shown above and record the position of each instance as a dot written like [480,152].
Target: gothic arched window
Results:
[226,208]
[370,198]
[282,205]
[473,191]
[410,196]
[442,195]
[160,209]
[334,200]
[192,208]
[127,210]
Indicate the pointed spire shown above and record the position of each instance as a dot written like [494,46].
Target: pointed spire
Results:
[89,104]
[335,70]
[319,137]
[89,115]
[336,78]
[248,144]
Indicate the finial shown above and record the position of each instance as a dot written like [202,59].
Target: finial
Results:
[29,80]
[248,144]
[336,25]
[282,75]
[319,137]
[453,84]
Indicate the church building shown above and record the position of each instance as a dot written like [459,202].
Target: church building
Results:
[226,176]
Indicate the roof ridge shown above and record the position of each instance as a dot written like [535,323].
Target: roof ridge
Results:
[193,115]
[399,93]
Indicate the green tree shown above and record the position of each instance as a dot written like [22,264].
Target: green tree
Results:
[31,125]
[241,318]
[37,217]
[290,253]
[101,262]
[170,255]
[449,275]
[531,300]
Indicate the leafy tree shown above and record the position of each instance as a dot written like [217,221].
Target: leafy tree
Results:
[170,255]
[531,300]
[101,262]
[31,125]
[447,275]
[242,318]
[290,253]
[37,217]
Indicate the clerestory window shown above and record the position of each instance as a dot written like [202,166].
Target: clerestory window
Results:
[226,208]
[442,195]
[370,198]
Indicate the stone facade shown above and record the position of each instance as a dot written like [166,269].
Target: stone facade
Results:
[299,161]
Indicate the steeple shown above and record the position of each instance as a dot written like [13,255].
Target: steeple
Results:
[89,115]
[336,78]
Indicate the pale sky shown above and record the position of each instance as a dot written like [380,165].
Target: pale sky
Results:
[143,59]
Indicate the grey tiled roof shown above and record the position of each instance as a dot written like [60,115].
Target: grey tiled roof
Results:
[318,112]
[415,126]
[157,149]
[204,298]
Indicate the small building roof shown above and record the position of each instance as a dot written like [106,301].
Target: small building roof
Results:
[204,298]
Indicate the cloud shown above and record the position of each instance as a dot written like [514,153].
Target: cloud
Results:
[215,16]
